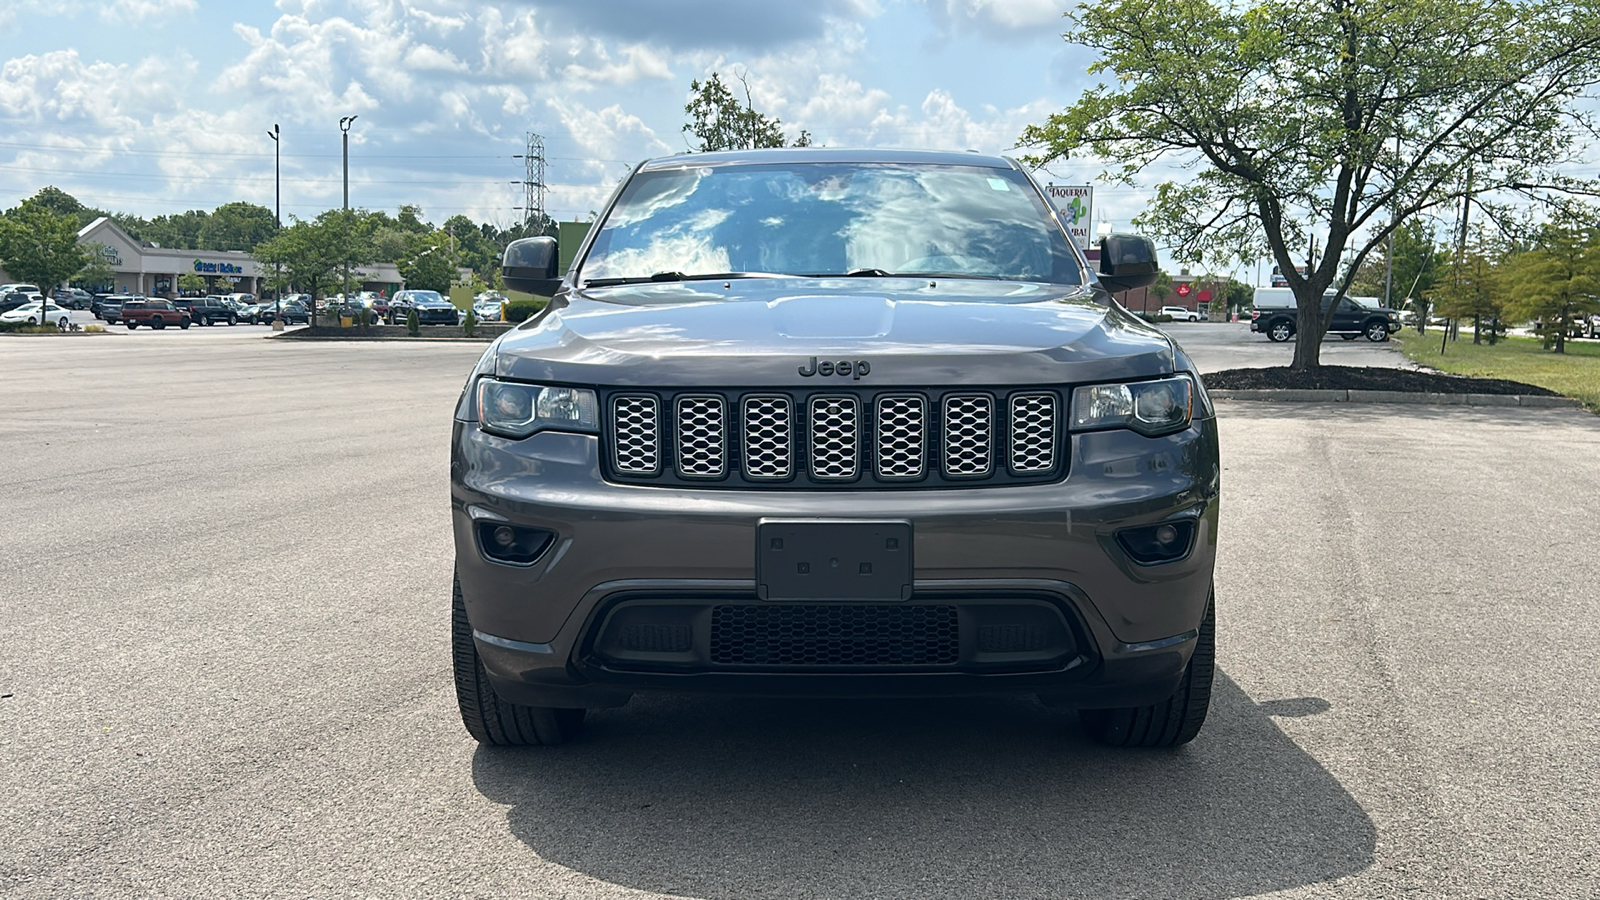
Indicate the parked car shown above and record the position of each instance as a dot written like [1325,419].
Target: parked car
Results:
[10,300]
[15,295]
[993,481]
[108,307]
[73,298]
[208,310]
[39,314]
[291,311]
[1276,316]
[250,313]
[431,308]
[1180,313]
[154,313]
[486,310]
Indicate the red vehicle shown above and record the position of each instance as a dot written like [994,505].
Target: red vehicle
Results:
[154,313]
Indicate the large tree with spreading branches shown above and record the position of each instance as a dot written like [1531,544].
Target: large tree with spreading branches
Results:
[1301,131]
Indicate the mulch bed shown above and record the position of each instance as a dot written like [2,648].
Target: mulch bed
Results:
[1360,378]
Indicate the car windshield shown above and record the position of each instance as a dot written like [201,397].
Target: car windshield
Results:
[815,219]
[426,297]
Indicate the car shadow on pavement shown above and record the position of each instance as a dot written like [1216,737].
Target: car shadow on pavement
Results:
[713,797]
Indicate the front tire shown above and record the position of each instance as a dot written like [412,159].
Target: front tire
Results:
[1174,721]
[489,719]
[131,324]
[1377,331]
[1280,332]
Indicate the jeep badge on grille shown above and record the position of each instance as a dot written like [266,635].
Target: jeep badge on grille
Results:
[858,369]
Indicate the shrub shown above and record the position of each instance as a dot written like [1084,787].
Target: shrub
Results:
[520,310]
[470,323]
[413,327]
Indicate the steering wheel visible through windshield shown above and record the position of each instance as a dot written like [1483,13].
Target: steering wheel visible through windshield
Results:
[830,219]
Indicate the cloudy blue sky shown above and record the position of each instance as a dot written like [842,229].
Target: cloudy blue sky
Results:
[157,106]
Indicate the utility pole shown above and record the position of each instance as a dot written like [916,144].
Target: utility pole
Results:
[277,196]
[344,128]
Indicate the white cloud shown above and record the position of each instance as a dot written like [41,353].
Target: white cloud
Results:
[1002,19]
[138,11]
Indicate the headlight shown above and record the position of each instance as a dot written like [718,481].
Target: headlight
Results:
[1148,407]
[516,410]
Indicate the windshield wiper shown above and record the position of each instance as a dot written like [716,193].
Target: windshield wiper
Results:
[679,276]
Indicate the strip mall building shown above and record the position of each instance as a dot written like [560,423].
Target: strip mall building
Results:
[142,267]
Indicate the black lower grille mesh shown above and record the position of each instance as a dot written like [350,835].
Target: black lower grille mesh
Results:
[783,635]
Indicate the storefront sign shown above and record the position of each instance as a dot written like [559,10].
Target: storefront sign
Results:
[1075,203]
[206,268]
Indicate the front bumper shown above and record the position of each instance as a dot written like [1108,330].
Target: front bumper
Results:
[1110,632]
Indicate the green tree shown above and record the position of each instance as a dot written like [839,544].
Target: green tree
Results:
[718,121]
[314,255]
[1327,122]
[40,246]
[1240,296]
[96,272]
[191,283]
[1557,281]
[237,226]
[429,265]
[1471,286]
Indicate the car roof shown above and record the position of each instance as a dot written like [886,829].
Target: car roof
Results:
[782,155]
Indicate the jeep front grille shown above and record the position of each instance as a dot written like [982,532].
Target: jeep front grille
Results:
[768,438]
[968,435]
[701,423]
[832,439]
[635,433]
[1033,432]
[835,438]
[902,436]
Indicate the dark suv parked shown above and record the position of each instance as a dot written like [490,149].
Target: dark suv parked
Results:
[829,423]
[208,310]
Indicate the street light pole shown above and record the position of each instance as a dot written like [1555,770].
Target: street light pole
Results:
[277,197]
[344,128]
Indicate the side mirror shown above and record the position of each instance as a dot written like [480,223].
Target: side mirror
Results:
[1127,261]
[530,264]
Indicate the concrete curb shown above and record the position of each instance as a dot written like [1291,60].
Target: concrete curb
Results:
[1301,396]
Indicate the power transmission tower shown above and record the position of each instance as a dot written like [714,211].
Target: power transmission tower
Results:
[533,186]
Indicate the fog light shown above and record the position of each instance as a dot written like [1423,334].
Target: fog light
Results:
[1161,543]
[512,543]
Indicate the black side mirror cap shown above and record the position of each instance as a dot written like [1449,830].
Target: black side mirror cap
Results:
[1127,261]
[529,265]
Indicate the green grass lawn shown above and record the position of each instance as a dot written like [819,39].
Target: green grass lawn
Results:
[1575,373]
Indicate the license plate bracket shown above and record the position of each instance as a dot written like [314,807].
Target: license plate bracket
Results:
[833,559]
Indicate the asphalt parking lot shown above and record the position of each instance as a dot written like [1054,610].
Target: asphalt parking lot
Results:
[223,608]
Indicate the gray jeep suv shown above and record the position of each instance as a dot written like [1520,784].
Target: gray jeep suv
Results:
[830,423]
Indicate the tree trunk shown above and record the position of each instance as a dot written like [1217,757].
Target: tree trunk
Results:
[1307,336]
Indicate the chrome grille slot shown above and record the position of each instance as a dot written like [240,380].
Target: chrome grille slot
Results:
[702,427]
[835,438]
[768,438]
[636,435]
[902,436]
[1033,433]
[968,435]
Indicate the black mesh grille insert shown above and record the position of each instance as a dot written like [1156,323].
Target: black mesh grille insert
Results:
[783,635]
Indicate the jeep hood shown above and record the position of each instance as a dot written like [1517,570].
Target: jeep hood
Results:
[766,332]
